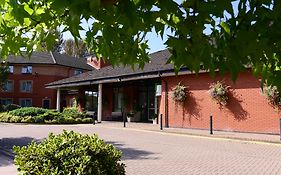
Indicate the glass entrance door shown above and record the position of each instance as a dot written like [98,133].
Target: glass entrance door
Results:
[147,101]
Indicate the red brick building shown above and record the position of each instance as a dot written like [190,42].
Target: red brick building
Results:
[28,76]
[122,89]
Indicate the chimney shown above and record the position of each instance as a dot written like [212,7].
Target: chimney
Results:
[96,62]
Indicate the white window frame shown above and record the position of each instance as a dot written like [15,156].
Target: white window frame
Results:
[26,69]
[25,90]
[6,89]
[11,69]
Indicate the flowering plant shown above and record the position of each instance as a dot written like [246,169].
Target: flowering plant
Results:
[179,93]
[219,92]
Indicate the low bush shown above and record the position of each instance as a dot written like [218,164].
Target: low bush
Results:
[11,107]
[27,119]
[87,120]
[15,119]
[72,112]
[28,111]
[40,115]
[5,117]
[2,108]
[69,153]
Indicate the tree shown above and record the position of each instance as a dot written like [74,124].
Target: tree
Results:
[245,34]
[4,73]
[56,47]
[73,49]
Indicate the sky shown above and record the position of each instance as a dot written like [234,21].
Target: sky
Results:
[155,42]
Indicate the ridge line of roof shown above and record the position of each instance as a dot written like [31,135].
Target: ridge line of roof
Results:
[52,55]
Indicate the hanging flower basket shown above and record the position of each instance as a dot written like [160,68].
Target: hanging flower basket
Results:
[179,93]
[272,94]
[219,92]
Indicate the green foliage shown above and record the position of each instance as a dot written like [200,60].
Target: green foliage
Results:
[11,107]
[69,153]
[40,115]
[179,93]
[27,119]
[4,73]
[219,92]
[28,111]
[87,120]
[2,108]
[5,117]
[211,34]
[15,119]
[72,112]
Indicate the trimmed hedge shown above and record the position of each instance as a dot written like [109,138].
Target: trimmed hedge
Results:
[69,153]
[40,115]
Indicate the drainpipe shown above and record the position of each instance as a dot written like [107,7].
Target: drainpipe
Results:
[166,102]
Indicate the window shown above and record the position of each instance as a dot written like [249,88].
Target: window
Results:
[25,102]
[26,86]
[26,70]
[6,101]
[78,71]
[117,99]
[11,69]
[8,86]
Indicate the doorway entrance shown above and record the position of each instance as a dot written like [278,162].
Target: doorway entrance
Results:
[147,102]
[46,104]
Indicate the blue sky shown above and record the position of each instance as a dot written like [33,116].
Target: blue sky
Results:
[155,42]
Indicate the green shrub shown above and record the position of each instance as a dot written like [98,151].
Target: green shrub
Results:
[15,119]
[87,120]
[39,119]
[27,119]
[11,107]
[72,112]
[78,120]
[69,120]
[2,108]
[69,153]
[28,111]
[5,117]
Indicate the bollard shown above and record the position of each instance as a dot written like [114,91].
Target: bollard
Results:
[280,127]
[94,118]
[161,121]
[124,120]
[211,124]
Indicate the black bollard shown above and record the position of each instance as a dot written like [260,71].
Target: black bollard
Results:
[211,124]
[124,120]
[161,121]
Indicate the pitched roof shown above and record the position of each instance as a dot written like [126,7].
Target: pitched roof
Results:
[157,64]
[51,58]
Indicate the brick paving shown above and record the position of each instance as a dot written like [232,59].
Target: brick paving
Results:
[148,151]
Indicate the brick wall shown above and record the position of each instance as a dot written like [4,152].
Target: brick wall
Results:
[247,109]
[41,75]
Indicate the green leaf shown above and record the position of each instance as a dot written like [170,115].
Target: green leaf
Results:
[225,27]
[28,9]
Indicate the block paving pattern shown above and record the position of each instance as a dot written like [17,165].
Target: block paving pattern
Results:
[150,152]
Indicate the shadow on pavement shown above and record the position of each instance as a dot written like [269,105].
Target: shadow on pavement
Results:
[132,153]
[6,148]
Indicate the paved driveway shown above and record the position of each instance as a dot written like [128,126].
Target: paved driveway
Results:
[147,152]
